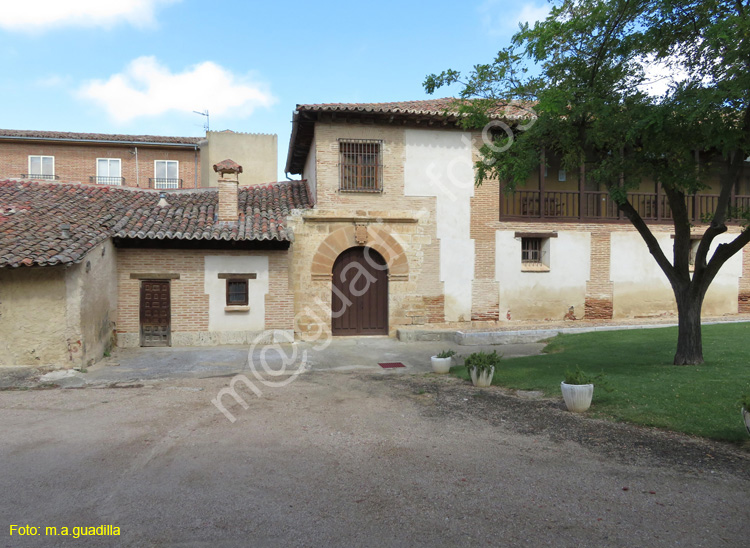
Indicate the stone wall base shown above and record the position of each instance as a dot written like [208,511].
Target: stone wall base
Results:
[214,338]
[598,309]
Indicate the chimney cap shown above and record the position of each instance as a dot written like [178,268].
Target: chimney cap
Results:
[227,166]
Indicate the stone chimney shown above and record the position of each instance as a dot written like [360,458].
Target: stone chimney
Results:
[228,171]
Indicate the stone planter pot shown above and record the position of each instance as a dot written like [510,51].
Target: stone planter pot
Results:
[441,365]
[481,379]
[577,396]
[746,416]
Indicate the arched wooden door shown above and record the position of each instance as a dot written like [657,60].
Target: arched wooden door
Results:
[359,305]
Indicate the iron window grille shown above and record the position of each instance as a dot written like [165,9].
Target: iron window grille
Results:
[531,250]
[102,180]
[237,292]
[164,183]
[361,166]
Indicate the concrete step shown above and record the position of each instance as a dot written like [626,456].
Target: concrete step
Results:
[483,338]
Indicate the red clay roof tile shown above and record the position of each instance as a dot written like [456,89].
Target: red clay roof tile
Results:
[31,213]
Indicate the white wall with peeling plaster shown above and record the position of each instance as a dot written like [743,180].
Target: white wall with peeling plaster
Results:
[642,289]
[543,294]
[439,163]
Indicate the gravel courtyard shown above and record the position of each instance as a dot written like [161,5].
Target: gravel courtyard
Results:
[356,459]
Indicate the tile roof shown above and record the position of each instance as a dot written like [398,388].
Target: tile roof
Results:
[70,136]
[428,107]
[32,212]
[440,111]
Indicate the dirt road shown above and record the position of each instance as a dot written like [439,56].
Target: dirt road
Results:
[355,459]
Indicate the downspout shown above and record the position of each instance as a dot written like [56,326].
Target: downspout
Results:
[137,180]
[195,149]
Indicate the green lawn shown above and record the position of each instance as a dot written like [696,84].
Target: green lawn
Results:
[647,388]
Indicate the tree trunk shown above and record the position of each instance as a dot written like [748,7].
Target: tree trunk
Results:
[689,341]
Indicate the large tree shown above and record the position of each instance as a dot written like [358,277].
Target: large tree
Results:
[582,74]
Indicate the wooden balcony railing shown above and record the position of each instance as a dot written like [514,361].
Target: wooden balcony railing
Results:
[599,206]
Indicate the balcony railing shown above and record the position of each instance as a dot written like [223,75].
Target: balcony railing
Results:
[39,176]
[164,184]
[101,180]
[598,206]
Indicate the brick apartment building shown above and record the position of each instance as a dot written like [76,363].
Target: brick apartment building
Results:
[143,161]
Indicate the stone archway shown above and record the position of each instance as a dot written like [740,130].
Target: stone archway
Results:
[349,236]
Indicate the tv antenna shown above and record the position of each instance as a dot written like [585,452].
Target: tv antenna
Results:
[204,113]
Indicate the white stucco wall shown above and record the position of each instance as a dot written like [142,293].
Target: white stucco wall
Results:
[218,318]
[543,295]
[642,289]
[309,172]
[439,164]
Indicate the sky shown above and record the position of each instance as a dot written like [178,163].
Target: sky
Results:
[144,66]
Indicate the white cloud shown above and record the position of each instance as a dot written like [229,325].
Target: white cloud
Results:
[39,15]
[498,20]
[147,88]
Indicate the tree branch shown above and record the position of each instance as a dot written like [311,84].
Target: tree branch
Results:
[651,241]
[723,253]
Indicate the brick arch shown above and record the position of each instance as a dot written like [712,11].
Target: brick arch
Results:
[342,239]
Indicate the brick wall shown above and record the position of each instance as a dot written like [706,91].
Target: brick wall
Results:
[189,301]
[599,288]
[76,163]
[744,290]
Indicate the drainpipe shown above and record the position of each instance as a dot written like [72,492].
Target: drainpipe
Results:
[196,166]
[137,182]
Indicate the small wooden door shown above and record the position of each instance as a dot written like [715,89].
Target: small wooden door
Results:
[359,304]
[155,313]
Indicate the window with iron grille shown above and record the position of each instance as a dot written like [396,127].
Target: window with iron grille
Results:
[237,294]
[360,165]
[166,174]
[531,250]
[108,171]
[41,167]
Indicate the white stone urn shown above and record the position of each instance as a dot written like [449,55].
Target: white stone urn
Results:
[441,365]
[577,396]
[482,379]
[746,416]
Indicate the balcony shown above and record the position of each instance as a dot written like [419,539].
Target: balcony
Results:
[101,180]
[39,176]
[164,183]
[555,205]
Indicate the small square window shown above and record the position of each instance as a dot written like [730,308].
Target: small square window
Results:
[535,253]
[561,175]
[41,167]
[237,292]
[531,250]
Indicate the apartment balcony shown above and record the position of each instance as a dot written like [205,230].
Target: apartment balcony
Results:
[39,176]
[597,206]
[164,183]
[101,180]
